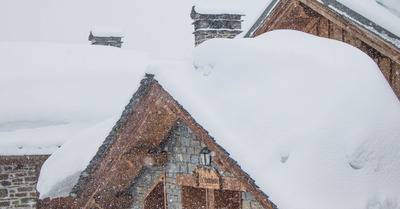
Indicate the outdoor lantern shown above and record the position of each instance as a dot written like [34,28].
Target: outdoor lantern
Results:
[205,156]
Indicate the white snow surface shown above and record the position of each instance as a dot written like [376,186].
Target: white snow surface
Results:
[312,120]
[60,181]
[392,5]
[106,31]
[156,26]
[51,92]
[218,7]
[378,14]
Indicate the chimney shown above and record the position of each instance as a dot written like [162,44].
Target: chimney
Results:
[215,24]
[106,36]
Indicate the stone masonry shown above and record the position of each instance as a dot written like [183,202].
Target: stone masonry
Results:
[105,41]
[208,26]
[18,178]
[183,148]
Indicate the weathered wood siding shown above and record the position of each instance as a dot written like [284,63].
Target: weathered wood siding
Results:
[298,16]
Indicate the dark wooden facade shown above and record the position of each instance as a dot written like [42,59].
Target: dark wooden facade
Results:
[145,124]
[315,18]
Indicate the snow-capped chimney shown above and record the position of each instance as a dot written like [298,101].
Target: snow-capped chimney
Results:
[215,23]
[107,36]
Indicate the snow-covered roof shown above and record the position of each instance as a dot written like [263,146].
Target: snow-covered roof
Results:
[369,14]
[218,7]
[54,92]
[155,26]
[314,132]
[104,31]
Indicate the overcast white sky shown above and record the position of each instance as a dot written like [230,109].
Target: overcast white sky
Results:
[161,26]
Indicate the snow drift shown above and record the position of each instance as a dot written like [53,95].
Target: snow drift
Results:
[52,92]
[312,120]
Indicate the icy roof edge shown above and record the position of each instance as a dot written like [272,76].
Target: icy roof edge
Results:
[344,12]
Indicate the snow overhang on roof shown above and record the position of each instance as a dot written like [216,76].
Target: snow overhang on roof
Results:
[218,8]
[103,31]
[307,121]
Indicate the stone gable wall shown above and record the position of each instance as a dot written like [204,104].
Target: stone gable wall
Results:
[203,35]
[18,179]
[183,148]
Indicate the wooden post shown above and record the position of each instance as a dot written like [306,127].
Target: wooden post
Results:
[210,198]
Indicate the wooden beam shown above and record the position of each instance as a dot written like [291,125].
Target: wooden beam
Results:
[160,179]
[185,180]
[384,65]
[396,78]
[323,28]
[125,137]
[232,184]
[147,159]
[311,25]
[200,132]
[336,32]
[280,9]
[227,183]
[210,199]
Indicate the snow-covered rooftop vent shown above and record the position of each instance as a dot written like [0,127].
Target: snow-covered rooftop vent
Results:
[216,21]
[107,36]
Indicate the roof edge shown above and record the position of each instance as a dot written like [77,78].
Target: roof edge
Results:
[145,83]
[260,21]
[344,12]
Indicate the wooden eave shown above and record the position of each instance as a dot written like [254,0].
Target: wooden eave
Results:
[280,11]
[146,127]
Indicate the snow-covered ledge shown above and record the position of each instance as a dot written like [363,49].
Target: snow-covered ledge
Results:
[216,21]
[107,36]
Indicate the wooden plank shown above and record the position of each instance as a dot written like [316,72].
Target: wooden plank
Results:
[311,26]
[314,30]
[210,197]
[396,78]
[384,65]
[160,179]
[297,19]
[227,183]
[323,28]
[185,180]
[101,175]
[147,159]
[232,184]
[200,132]
[335,32]
[348,38]
[279,11]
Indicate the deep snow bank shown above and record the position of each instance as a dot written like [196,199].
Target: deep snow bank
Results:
[312,120]
[51,92]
